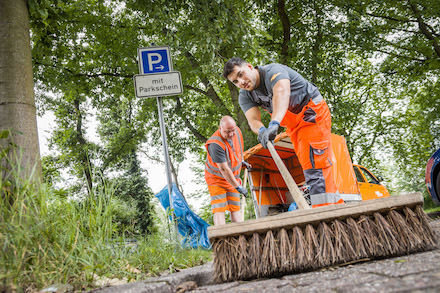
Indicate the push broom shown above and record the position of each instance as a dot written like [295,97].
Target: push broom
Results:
[308,239]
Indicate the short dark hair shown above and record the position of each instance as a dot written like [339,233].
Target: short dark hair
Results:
[229,66]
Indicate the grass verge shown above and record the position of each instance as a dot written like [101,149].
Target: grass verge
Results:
[46,240]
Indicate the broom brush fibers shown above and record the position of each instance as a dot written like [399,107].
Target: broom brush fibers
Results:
[306,240]
[269,264]
[298,250]
[285,257]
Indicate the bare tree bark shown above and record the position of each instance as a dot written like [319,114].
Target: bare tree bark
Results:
[17,99]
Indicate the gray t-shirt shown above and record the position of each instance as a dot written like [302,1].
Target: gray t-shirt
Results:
[217,153]
[301,90]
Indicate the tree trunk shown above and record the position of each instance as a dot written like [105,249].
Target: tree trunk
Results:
[83,150]
[17,101]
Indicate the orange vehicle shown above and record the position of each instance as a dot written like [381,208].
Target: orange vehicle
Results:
[270,193]
[369,185]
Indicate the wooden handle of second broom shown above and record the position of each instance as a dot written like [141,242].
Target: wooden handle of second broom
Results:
[243,198]
[291,184]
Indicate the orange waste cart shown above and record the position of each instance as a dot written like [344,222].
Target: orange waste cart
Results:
[270,193]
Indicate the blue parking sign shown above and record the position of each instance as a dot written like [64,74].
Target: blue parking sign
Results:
[154,60]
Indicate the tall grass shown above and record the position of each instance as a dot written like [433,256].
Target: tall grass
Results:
[46,240]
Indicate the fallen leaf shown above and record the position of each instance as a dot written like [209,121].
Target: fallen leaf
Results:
[190,285]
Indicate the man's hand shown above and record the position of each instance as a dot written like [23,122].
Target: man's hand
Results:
[260,135]
[247,165]
[268,134]
[242,190]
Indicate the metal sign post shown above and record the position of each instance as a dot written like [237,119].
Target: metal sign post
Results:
[167,165]
[156,79]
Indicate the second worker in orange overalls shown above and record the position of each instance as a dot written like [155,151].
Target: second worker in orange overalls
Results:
[224,157]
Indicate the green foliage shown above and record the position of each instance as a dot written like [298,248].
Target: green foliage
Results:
[375,62]
[132,189]
[404,36]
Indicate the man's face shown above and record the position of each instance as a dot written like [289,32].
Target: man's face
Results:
[227,130]
[244,77]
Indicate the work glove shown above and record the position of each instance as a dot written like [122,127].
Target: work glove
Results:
[242,190]
[269,134]
[247,165]
[260,135]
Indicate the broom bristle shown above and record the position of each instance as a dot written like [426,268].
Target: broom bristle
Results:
[356,234]
[404,234]
[243,262]
[300,249]
[269,259]
[386,235]
[231,259]
[255,254]
[311,247]
[344,250]
[430,237]
[424,233]
[372,244]
[326,253]
[220,252]
[286,258]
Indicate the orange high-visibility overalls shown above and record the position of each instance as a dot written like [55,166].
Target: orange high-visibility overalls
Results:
[224,197]
[310,135]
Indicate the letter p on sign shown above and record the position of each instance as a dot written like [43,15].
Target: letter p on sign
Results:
[154,60]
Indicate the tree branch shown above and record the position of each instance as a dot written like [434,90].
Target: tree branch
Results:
[286,30]
[390,18]
[379,130]
[424,29]
[210,90]
[173,170]
[188,124]
[200,91]
[76,74]
[317,43]
[401,56]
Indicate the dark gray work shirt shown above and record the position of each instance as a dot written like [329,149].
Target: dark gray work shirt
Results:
[217,153]
[301,90]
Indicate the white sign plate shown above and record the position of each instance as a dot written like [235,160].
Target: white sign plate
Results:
[158,84]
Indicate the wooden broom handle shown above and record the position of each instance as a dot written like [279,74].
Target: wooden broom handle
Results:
[243,198]
[291,184]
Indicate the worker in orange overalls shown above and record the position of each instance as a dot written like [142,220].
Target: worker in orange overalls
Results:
[297,104]
[222,170]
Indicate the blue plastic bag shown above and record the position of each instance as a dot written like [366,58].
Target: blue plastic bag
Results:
[193,228]
[292,207]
